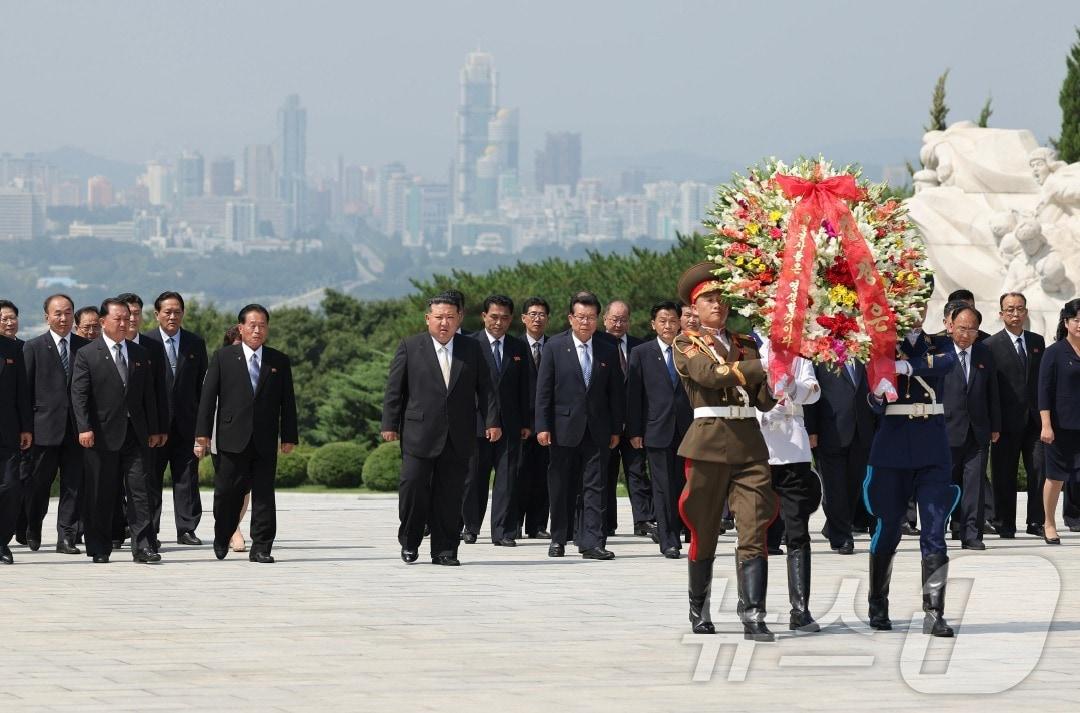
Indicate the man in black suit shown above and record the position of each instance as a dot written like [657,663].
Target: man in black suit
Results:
[49,360]
[616,324]
[251,386]
[972,420]
[841,428]
[580,401]
[9,320]
[658,413]
[16,424]
[88,323]
[184,370]
[439,382]
[1017,357]
[533,465]
[508,360]
[115,409]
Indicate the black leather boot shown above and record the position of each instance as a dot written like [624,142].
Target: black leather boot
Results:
[880,575]
[935,572]
[798,587]
[753,578]
[700,589]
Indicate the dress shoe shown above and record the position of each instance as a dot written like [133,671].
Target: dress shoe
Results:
[505,542]
[34,543]
[1006,535]
[686,538]
[556,550]
[540,535]
[1074,528]
[645,529]
[597,553]
[908,529]
[973,545]
[65,547]
[146,556]
[989,527]
[847,548]
[5,555]
[155,544]
[776,550]
[1036,530]
[188,538]
[1052,540]
[727,524]
[220,551]
[117,544]
[673,553]
[446,560]
[409,556]
[260,557]
[469,538]
[101,559]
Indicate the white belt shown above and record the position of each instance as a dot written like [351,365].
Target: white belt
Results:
[915,410]
[724,412]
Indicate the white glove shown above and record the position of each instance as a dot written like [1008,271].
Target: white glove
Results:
[885,390]
[903,367]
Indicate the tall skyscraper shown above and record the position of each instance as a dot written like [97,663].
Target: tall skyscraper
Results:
[477,100]
[189,176]
[503,136]
[259,172]
[99,192]
[241,220]
[693,204]
[559,162]
[22,214]
[159,183]
[292,154]
[222,176]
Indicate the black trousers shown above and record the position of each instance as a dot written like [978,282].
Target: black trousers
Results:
[667,472]
[842,474]
[104,471]
[571,469]
[799,490]
[502,455]
[1005,457]
[45,461]
[637,483]
[1070,504]
[11,488]
[430,493]
[178,455]
[969,472]
[532,480]
[248,470]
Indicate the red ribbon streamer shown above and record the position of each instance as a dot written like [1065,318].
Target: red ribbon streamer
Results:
[821,201]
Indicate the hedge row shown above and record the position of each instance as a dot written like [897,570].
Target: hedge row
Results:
[335,465]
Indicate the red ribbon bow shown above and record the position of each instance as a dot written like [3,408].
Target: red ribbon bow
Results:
[821,201]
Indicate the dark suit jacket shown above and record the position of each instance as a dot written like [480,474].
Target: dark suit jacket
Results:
[564,407]
[655,410]
[512,384]
[842,416]
[50,390]
[425,413]
[534,372]
[973,405]
[243,417]
[1059,386]
[16,415]
[102,404]
[158,366]
[1018,388]
[183,390]
[631,343]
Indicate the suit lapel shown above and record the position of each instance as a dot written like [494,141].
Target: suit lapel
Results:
[114,373]
[457,364]
[264,371]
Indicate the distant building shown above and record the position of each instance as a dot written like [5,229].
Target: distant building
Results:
[396,205]
[259,179]
[694,202]
[159,183]
[478,84]
[222,177]
[292,155]
[559,162]
[189,177]
[241,221]
[22,215]
[123,232]
[427,210]
[99,192]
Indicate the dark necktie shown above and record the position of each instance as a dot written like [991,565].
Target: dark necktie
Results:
[121,364]
[671,366]
[64,357]
[496,349]
[622,357]
[1021,352]
[536,354]
[964,366]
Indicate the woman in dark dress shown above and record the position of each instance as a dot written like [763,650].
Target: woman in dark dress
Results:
[1059,407]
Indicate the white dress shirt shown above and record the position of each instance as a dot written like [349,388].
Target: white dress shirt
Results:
[784,427]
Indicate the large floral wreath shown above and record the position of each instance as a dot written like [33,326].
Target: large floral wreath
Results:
[820,261]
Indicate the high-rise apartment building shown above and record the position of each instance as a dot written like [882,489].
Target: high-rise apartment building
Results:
[222,176]
[259,180]
[99,192]
[22,214]
[559,162]
[478,84]
[189,176]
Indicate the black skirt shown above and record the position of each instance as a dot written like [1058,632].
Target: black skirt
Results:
[1063,456]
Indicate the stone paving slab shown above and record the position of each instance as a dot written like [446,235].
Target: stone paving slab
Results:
[340,623]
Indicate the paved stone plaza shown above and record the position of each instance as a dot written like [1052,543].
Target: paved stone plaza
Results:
[340,623]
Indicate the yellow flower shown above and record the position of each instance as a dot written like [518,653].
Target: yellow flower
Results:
[739,260]
[752,228]
[842,295]
[775,216]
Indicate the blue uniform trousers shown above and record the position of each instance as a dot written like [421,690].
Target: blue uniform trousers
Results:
[886,492]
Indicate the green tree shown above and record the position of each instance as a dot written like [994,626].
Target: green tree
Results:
[351,408]
[1068,144]
[938,110]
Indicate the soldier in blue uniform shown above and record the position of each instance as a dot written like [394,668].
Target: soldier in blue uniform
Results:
[910,456]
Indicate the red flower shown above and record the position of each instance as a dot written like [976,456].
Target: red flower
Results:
[839,273]
[839,326]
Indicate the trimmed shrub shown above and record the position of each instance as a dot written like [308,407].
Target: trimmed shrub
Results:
[382,469]
[292,468]
[337,465]
[206,472]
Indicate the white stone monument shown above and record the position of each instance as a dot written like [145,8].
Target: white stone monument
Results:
[999,214]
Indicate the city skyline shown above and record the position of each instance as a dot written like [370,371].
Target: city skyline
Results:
[391,96]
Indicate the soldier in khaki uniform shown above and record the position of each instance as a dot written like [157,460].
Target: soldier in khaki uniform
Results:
[726,456]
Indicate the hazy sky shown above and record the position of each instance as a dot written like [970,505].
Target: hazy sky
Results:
[730,80]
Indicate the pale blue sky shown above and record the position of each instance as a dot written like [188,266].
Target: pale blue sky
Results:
[727,80]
